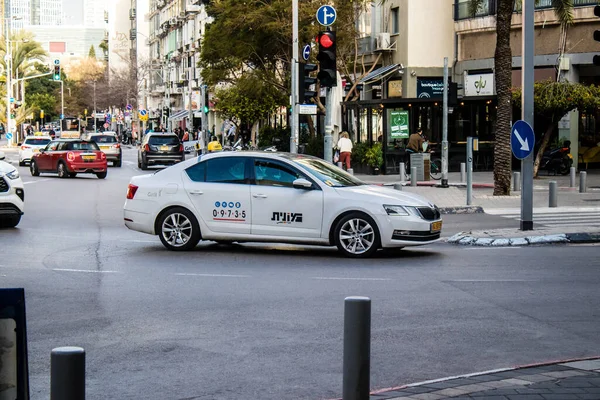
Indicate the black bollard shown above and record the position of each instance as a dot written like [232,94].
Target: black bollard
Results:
[357,348]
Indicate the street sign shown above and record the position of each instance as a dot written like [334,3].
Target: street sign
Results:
[143,114]
[8,135]
[326,15]
[307,109]
[62,116]
[57,62]
[12,99]
[522,139]
[129,107]
[306,52]
[106,125]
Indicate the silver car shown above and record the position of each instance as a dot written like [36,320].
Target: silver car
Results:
[109,144]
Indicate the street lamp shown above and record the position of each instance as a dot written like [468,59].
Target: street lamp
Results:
[7,61]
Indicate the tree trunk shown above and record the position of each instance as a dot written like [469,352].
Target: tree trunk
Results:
[543,145]
[503,75]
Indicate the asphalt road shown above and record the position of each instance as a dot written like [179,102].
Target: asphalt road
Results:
[266,321]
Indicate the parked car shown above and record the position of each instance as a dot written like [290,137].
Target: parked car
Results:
[278,198]
[69,157]
[30,146]
[160,149]
[109,144]
[12,195]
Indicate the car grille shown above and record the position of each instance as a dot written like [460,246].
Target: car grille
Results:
[3,185]
[430,214]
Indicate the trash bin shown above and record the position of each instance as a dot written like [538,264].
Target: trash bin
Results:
[422,161]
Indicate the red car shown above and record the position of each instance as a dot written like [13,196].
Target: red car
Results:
[69,157]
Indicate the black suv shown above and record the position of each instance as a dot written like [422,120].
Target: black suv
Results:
[160,149]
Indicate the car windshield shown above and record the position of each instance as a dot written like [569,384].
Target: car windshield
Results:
[37,142]
[158,140]
[104,139]
[327,173]
[83,146]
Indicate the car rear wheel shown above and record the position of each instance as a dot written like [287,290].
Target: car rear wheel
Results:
[118,163]
[101,175]
[33,168]
[21,163]
[179,229]
[10,222]
[356,235]
[143,166]
[62,170]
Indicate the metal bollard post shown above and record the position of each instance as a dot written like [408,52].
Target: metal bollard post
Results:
[582,182]
[463,172]
[402,172]
[469,170]
[357,348]
[516,181]
[351,171]
[552,194]
[413,176]
[398,186]
[67,373]
[573,176]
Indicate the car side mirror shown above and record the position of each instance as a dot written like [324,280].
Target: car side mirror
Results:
[302,184]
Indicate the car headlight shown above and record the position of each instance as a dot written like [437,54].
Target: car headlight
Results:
[14,174]
[401,210]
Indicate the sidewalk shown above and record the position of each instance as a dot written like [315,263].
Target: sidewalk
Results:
[572,379]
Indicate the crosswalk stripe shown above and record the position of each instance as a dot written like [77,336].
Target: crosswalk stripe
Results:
[571,219]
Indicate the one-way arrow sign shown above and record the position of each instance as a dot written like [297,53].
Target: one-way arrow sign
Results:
[522,139]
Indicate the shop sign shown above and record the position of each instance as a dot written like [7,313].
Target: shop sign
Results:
[395,88]
[430,88]
[479,85]
[399,124]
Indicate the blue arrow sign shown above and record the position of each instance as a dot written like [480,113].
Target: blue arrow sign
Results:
[8,136]
[62,116]
[57,62]
[522,139]
[326,15]
[306,52]
[143,112]
[129,107]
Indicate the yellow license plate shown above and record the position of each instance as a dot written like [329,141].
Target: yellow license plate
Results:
[570,155]
[89,157]
[36,150]
[436,226]
[164,148]
[105,147]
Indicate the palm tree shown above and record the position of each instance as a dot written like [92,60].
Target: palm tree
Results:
[503,76]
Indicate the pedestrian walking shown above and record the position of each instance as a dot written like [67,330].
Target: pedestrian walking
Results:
[344,146]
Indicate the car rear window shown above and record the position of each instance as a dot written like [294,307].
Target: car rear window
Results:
[37,142]
[83,146]
[159,140]
[104,139]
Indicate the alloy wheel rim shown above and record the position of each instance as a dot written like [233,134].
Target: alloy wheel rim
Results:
[357,236]
[61,170]
[177,229]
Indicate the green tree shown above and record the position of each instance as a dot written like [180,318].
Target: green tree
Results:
[552,100]
[44,101]
[92,52]
[503,76]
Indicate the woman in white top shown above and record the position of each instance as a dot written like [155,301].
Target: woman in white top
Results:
[344,145]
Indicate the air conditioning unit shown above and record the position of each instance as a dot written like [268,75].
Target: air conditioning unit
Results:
[179,90]
[183,76]
[173,21]
[192,8]
[382,41]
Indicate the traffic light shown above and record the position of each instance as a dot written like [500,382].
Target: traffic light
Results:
[327,61]
[596,59]
[206,107]
[56,75]
[305,81]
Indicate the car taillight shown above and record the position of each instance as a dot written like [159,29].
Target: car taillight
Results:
[117,146]
[180,148]
[131,189]
[147,147]
[102,155]
[71,156]
[24,147]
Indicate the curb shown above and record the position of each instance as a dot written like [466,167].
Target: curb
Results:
[466,239]
[462,210]
[436,184]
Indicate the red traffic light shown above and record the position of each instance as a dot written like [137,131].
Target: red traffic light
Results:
[326,41]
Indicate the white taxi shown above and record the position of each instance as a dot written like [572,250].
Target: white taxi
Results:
[31,144]
[12,196]
[275,197]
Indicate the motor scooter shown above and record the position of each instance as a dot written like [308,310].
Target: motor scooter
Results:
[558,160]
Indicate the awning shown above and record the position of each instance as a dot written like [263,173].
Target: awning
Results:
[179,115]
[380,73]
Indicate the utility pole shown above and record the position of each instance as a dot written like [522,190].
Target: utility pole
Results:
[7,60]
[62,102]
[445,128]
[95,127]
[527,52]
[295,132]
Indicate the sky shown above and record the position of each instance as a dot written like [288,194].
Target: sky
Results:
[73,10]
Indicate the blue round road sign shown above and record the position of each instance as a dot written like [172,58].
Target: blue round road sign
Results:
[522,139]
[306,52]
[8,136]
[326,15]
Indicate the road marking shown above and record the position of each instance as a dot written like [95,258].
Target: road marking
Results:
[37,181]
[491,280]
[325,278]
[494,248]
[214,275]
[144,241]
[86,270]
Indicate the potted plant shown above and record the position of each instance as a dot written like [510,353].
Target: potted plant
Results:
[374,158]
[358,157]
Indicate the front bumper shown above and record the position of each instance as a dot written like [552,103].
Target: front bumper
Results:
[13,201]
[87,167]
[404,231]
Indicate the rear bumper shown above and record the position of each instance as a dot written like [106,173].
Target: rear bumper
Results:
[139,221]
[163,158]
[87,167]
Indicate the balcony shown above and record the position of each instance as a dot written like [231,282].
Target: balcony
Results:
[461,7]
[366,45]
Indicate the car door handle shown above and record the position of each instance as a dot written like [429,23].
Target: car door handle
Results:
[259,196]
[197,192]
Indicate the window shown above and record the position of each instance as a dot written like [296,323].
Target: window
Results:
[164,139]
[52,146]
[197,172]
[226,170]
[81,146]
[395,21]
[104,139]
[37,142]
[269,173]
[327,173]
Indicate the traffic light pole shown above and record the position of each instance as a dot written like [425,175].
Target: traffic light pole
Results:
[62,103]
[445,128]
[295,132]
[328,144]
[528,41]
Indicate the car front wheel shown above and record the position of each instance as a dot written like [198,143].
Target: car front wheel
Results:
[10,222]
[33,168]
[62,170]
[356,235]
[178,229]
